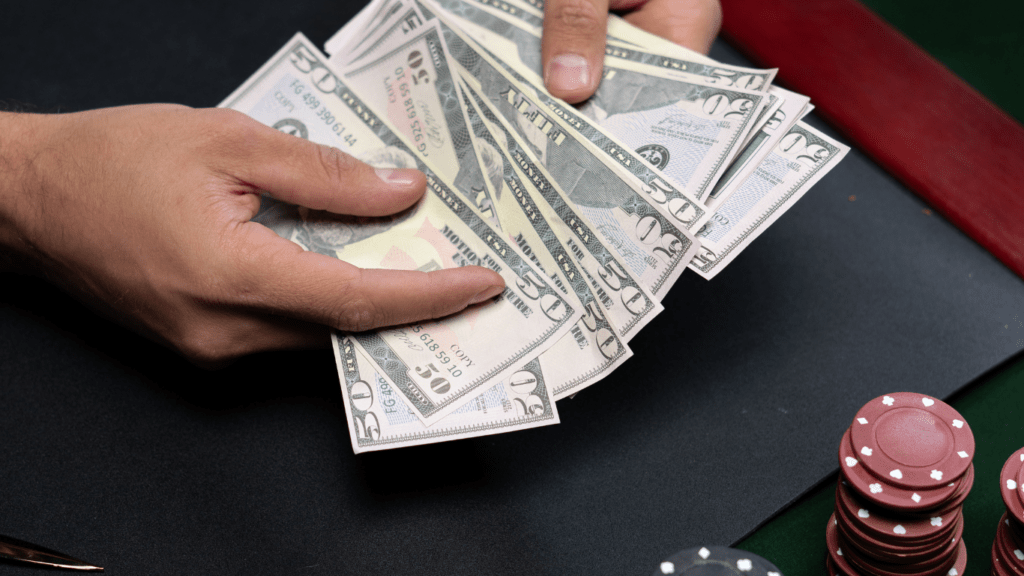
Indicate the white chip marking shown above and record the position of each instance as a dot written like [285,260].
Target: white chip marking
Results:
[1022,456]
[936,475]
[875,488]
[866,451]
[1011,484]
[863,513]
[851,461]
[744,565]
[862,420]
[667,567]
[839,551]
[916,497]
[704,553]
[1019,554]
[888,400]
[899,529]
[953,572]
[963,454]
[958,423]
[896,473]
[937,521]
[774,574]
[927,402]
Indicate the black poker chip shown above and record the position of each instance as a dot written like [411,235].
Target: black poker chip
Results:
[716,561]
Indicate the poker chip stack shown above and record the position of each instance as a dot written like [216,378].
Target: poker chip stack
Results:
[905,471]
[716,561]
[1008,547]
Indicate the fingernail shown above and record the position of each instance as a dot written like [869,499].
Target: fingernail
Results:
[567,72]
[487,294]
[398,176]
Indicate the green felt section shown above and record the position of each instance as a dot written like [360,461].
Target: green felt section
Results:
[994,408]
[981,41]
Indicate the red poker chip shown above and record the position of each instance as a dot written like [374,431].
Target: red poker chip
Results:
[999,567]
[961,560]
[841,557]
[1012,555]
[830,565]
[1010,488]
[1009,563]
[898,553]
[944,564]
[1019,492]
[912,441]
[898,560]
[884,494]
[835,551]
[907,554]
[963,489]
[832,569]
[1014,530]
[893,528]
[906,561]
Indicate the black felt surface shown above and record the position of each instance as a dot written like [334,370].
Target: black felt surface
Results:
[115,450]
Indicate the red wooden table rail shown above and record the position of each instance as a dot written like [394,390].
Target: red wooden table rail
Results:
[917,119]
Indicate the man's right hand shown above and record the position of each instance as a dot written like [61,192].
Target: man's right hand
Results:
[574,34]
[144,212]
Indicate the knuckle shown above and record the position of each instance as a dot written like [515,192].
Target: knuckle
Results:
[229,117]
[226,131]
[359,315]
[575,17]
[335,163]
[206,345]
[354,310]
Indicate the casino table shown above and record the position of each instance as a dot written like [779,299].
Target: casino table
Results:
[795,541]
[978,45]
[721,430]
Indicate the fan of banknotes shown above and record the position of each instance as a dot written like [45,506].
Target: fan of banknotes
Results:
[589,212]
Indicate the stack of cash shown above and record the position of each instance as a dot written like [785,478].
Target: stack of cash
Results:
[590,213]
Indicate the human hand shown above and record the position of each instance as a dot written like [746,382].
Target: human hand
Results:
[572,48]
[144,213]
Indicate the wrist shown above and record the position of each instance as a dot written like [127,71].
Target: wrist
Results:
[22,139]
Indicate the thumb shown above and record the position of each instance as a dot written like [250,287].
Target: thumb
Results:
[321,177]
[321,289]
[572,47]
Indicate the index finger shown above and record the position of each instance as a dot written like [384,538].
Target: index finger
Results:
[280,277]
[572,47]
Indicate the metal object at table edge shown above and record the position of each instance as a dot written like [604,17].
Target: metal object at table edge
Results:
[21,551]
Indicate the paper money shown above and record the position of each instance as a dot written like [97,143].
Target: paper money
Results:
[656,123]
[379,417]
[592,349]
[680,63]
[629,305]
[683,209]
[589,213]
[395,17]
[437,365]
[799,160]
[408,81]
[622,31]
[595,347]
[760,145]
[626,212]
